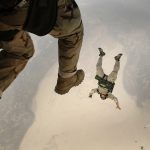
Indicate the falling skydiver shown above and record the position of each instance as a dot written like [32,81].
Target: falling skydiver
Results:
[106,83]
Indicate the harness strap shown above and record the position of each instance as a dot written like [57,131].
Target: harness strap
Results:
[8,35]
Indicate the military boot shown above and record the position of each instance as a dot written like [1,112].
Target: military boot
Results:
[101,52]
[65,84]
[117,58]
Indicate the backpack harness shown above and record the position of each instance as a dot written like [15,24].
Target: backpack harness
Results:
[104,83]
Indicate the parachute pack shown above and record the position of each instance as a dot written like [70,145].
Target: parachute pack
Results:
[103,82]
[41,16]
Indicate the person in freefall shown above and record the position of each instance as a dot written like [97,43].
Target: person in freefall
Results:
[106,83]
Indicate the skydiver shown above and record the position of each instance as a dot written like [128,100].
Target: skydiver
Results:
[106,83]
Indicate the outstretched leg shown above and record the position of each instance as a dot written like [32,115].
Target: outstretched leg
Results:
[99,69]
[69,31]
[113,75]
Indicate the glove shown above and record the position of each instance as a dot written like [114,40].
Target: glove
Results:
[90,96]
[118,107]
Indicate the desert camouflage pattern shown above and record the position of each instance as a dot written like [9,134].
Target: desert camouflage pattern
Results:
[15,53]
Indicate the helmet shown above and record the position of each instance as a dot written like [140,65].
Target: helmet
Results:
[103,96]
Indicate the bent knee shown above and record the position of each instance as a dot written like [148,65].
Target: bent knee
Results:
[29,48]
[20,46]
[29,54]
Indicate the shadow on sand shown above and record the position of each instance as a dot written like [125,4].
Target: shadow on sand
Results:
[16,114]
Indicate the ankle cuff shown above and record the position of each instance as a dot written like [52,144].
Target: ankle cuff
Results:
[66,75]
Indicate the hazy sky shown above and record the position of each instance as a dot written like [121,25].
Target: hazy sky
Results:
[33,116]
[127,22]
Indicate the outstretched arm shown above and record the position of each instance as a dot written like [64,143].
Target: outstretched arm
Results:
[92,92]
[112,97]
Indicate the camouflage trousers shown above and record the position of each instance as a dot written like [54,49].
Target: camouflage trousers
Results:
[113,75]
[16,52]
